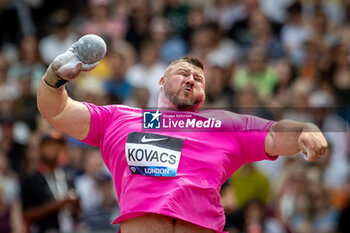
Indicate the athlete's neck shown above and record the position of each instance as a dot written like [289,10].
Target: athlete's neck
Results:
[165,103]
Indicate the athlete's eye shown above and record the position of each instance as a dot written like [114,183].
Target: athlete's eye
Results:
[184,73]
[198,79]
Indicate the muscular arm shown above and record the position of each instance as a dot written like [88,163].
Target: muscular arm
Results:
[288,137]
[62,112]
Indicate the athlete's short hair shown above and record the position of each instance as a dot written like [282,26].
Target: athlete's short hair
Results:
[191,60]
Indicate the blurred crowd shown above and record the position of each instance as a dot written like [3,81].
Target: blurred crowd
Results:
[270,58]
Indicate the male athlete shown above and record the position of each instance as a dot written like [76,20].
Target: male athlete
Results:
[196,162]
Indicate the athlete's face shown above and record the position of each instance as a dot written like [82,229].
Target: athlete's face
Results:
[184,86]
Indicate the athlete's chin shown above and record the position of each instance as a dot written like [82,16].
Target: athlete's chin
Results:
[190,105]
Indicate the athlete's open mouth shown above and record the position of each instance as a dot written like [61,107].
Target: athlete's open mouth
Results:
[188,90]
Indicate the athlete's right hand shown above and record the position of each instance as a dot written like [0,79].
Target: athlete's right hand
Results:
[67,66]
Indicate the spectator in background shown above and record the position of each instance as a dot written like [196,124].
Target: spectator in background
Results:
[233,215]
[139,98]
[11,189]
[11,219]
[8,143]
[246,185]
[170,47]
[25,106]
[8,89]
[241,31]
[102,22]
[253,217]
[128,51]
[48,198]
[29,62]
[222,44]
[202,42]
[285,77]
[335,11]
[276,10]
[257,30]
[291,196]
[256,219]
[257,72]
[223,12]
[295,32]
[262,34]
[310,60]
[195,20]
[31,161]
[219,92]
[317,57]
[338,75]
[138,23]
[42,10]
[248,102]
[95,189]
[60,37]
[116,86]
[324,32]
[75,154]
[146,73]
[32,155]
[249,183]
[209,39]
[176,12]
[303,202]
[324,216]
[91,88]
[298,102]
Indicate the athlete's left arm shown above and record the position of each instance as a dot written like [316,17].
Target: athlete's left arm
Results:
[287,137]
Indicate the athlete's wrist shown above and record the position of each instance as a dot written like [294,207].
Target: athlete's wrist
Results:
[53,79]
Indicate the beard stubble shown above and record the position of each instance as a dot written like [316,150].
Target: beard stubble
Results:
[182,104]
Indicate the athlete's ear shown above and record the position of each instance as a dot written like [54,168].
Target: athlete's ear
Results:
[161,81]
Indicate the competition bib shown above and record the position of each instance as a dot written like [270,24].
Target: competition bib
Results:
[153,154]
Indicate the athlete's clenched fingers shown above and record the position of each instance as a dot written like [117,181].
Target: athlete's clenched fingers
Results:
[77,70]
[88,67]
[320,150]
[313,145]
[320,145]
[310,155]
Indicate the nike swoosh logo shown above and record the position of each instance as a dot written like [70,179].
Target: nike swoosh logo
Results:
[144,139]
